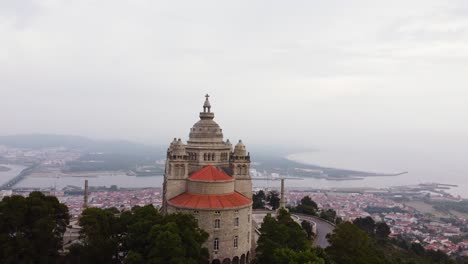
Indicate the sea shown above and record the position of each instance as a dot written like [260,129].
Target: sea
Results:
[447,167]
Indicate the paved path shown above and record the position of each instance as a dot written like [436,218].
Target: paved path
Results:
[323,228]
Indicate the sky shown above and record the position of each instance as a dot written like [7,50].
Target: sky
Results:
[293,73]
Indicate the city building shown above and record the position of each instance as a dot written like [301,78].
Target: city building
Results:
[209,179]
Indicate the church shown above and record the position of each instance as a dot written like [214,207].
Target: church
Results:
[209,179]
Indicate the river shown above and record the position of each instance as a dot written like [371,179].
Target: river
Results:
[5,176]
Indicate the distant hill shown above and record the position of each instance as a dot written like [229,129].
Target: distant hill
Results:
[37,141]
[98,155]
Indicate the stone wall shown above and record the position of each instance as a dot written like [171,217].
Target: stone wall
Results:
[226,231]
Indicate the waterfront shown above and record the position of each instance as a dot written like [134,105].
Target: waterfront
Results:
[422,167]
[105,180]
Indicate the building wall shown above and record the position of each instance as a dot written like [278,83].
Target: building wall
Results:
[204,187]
[175,187]
[198,160]
[241,172]
[244,186]
[227,231]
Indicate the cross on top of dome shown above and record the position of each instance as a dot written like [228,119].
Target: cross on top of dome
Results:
[207,104]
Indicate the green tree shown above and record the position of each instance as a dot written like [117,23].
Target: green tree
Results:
[367,224]
[382,230]
[133,258]
[273,199]
[306,200]
[329,215]
[139,222]
[289,256]
[338,220]
[258,199]
[191,235]
[141,235]
[349,244]
[32,228]
[418,249]
[307,228]
[281,233]
[307,206]
[167,245]
[101,237]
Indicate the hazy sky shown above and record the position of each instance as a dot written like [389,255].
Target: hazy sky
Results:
[293,72]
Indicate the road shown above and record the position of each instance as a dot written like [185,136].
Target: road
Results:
[323,228]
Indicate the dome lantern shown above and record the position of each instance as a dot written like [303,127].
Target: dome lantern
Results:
[207,105]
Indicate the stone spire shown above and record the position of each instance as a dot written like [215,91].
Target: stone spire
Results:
[282,198]
[85,198]
[207,114]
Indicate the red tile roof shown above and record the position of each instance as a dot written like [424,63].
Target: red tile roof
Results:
[203,201]
[210,173]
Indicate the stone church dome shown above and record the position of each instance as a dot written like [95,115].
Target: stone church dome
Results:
[206,130]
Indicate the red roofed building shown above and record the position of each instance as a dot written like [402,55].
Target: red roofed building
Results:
[208,178]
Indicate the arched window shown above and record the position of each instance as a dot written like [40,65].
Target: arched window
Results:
[217,223]
[236,241]
[216,244]
[236,221]
[212,156]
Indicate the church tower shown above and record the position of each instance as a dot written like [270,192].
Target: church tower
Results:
[240,168]
[210,180]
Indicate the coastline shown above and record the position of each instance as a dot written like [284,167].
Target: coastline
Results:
[359,175]
[415,176]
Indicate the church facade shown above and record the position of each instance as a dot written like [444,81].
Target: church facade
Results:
[210,179]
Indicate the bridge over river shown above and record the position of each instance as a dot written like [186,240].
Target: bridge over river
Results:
[11,182]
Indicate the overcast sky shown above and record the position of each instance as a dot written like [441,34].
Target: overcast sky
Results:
[289,72]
